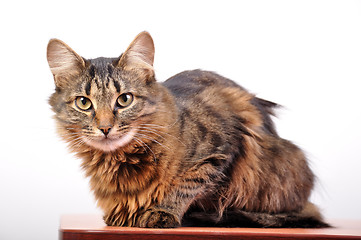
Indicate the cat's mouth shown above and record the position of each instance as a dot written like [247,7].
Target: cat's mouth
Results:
[111,143]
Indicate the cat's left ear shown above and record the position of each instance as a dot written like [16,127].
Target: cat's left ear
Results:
[139,56]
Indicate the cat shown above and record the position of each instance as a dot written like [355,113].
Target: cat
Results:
[195,150]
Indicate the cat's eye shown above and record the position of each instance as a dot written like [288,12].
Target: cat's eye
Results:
[83,103]
[125,100]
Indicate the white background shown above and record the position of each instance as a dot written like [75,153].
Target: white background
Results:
[305,55]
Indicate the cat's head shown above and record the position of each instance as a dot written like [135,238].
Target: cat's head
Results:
[102,103]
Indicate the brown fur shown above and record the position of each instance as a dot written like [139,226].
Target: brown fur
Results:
[197,146]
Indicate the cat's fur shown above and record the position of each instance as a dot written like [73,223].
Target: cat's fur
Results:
[195,150]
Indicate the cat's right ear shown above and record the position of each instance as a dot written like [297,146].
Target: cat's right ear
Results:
[64,62]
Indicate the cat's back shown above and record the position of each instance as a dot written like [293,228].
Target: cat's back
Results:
[189,84]
[212,105]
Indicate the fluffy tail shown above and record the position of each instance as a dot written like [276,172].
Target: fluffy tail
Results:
[309,217]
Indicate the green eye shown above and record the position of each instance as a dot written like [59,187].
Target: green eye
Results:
[83,103]
[125,100]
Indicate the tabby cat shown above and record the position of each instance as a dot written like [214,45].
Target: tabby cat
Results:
[195,150]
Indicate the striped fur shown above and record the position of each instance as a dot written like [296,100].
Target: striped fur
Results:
[195,149]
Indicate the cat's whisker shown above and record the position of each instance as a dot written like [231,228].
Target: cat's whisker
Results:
[159,132]
[123,128]
[151,124]
[142,143]
[152,139]
[70,129]
[157,125]
[77,143]
[150,131]
[69,133]
[70,137]
[75,137]
[171,125]
[160,126]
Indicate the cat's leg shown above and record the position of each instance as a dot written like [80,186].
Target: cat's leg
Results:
[161,216]
[169,212]
[188,187]
[309,217]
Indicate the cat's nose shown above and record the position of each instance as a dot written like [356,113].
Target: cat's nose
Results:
[105,129]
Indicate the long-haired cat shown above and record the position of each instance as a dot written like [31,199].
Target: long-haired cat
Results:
[197,149]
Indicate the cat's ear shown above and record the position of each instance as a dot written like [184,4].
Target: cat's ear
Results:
[64,63]
[139,55]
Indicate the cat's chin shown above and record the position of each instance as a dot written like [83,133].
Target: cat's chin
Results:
[111,144]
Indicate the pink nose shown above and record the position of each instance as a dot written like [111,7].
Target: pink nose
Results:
[105,129]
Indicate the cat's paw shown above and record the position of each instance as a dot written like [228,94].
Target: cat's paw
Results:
[158,218]
[111,220]
[115,219]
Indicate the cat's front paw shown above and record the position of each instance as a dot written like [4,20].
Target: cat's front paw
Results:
[112,220]
[158,218]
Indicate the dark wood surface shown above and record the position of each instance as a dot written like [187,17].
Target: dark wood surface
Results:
[91,227]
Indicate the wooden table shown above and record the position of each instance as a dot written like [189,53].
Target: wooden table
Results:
[91,227]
